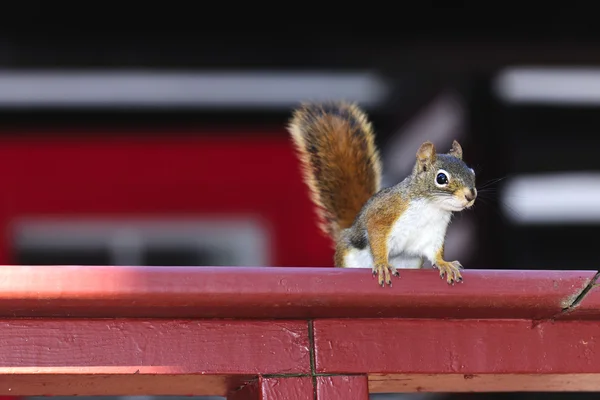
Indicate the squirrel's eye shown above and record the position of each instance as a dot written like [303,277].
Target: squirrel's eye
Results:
[441,179]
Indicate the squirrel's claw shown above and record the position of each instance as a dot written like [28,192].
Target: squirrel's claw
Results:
[384,273]
[451,271]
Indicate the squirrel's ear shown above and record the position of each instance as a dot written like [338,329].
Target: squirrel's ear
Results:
[426,155]
[456,150]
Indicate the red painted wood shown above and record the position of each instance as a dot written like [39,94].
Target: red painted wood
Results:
[43,384]
[456,346]
[271,292]
[163,347]
[250,391]
[588,306]
[292,388]
[195,174]
[342,388]
[487,383]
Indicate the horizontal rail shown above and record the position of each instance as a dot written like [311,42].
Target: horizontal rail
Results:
[200,357]
[99,330]
[290,293]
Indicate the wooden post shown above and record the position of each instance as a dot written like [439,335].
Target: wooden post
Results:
[342,388]
[297,388]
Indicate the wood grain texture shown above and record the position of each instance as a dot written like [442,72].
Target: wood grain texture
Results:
[292,388]
[69,346]
[342,388]
[456,346]
[457,383]
[118,385]
[271,292]
[587,307]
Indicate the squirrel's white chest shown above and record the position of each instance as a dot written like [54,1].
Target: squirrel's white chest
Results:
[420,231]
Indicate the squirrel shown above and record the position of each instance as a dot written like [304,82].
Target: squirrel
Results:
[382,229]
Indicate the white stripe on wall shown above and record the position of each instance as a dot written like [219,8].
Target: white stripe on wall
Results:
[141,88]
[549,86]
[565,198]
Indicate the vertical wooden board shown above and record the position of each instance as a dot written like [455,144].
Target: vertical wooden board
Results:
[456,346]
[342,388]
[295,388]
[250,391]
[300,388]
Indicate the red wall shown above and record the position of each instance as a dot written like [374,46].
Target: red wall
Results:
[135,176]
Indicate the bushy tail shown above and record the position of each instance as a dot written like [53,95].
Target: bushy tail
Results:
[341,165]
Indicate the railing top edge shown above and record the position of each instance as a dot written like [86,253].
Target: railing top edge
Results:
[291,293]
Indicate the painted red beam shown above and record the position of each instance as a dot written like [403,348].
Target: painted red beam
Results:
[589,307]
[280,388]
[244,292]
[401,355]
[200,357]
[141,356]
[148,330]
[342,388]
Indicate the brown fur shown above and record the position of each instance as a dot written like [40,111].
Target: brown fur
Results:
[379,220]
[341,250]
[341,165]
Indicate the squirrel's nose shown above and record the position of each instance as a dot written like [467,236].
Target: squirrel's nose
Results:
[470,196]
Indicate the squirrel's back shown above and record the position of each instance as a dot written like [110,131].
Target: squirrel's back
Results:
[341,165]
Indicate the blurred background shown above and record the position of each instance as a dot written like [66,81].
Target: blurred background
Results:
[149,136]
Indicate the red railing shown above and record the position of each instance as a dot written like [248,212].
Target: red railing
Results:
[293,333]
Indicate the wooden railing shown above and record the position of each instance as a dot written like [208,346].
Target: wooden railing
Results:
[293,333]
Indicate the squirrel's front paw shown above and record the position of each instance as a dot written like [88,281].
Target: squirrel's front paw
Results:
[451,270]
[384,273]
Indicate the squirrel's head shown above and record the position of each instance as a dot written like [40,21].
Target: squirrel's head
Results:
[445,178]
